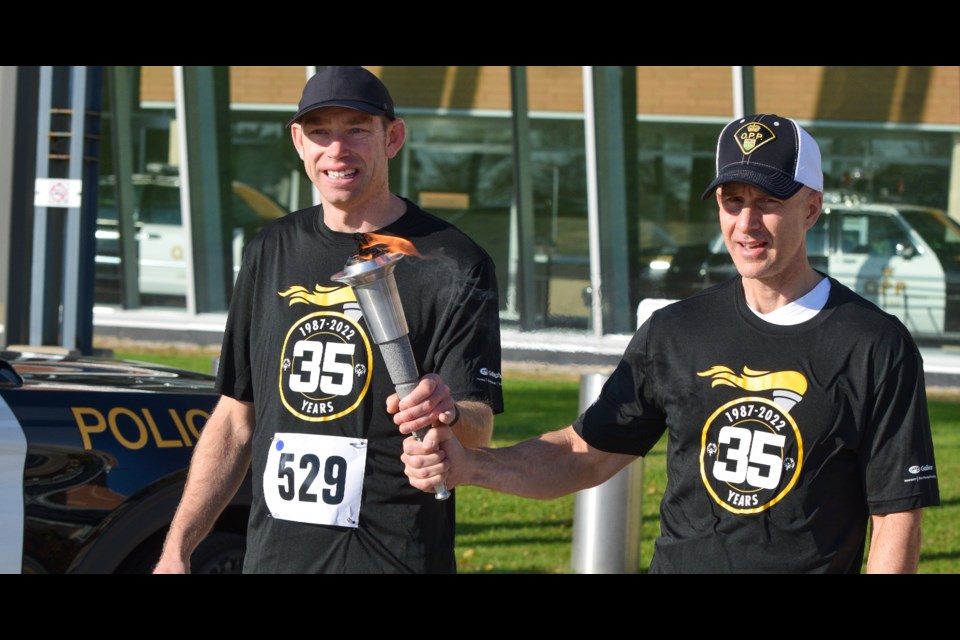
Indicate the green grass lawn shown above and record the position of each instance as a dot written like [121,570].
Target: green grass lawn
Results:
[941,525]
[192,360]
[497,533]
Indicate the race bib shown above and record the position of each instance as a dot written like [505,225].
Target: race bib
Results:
[315,479]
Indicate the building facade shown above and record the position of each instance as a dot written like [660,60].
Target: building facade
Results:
[583,183]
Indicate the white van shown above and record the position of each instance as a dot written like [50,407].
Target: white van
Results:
[160,236]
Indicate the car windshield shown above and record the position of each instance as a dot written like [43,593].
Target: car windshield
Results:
[936,228]
[160,205]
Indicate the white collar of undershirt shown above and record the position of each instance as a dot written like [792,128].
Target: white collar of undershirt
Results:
[801,309]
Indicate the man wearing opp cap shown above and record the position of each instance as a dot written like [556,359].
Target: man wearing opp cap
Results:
[307,401]
[795,409]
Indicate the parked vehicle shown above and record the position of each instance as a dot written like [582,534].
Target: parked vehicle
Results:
[160,237]
[93,458]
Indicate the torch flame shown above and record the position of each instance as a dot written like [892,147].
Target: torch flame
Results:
[373,244]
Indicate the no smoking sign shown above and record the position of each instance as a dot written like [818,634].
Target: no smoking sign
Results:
[57,192]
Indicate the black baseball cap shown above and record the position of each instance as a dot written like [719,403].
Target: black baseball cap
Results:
[350,87]
[769,152]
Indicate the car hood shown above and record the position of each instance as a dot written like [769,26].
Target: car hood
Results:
[87,373]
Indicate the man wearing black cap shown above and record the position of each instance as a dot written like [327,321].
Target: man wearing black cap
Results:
[307,402]
[795,409]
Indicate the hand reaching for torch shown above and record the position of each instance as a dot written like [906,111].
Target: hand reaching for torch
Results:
[425,457]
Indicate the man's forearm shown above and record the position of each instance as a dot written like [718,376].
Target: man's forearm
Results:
[475,426]
[555,464]
[220,462]
[895,542]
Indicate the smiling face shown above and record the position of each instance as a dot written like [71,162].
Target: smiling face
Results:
[766,236]
[345,154]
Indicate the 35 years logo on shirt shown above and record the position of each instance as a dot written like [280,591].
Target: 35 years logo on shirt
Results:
[751,449]
[325,366]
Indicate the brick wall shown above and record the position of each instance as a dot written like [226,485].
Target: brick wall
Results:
[267,85]
[686,91]
[259,85]
[447,87]
[873,94]
[943,100]
[156,84]
[792,92]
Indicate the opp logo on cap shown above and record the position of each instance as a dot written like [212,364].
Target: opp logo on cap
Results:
[752,136]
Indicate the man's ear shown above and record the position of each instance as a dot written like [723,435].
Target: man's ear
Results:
[815,206]
[396,135]
[295,132]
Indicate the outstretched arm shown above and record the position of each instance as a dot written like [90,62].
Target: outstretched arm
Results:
[219,464]
[553,465]
[895,542]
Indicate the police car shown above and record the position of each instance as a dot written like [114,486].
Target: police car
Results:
[904,258]
[93,458]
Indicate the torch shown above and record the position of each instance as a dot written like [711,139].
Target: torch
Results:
[370,274]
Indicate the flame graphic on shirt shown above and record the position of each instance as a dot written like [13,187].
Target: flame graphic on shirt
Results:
[788,387]
[321,296]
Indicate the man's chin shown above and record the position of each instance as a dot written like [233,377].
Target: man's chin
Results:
[339,199]
[751,270]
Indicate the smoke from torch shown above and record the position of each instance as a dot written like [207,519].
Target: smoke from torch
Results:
[370,273]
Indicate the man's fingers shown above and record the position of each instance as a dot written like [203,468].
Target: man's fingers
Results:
[427,440]
[393,403]
[425,415]
[418,456]
[428,394]
[424,465]
[423,406]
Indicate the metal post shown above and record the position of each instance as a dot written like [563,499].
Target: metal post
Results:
[71,250]
[40,330]
[608,517]
[522,207]
[593,203]
[953,198]
[122,92]
[18,260]
[65,199]
[613,121]
[744,93]
[203,111]
[91,102]
[8,106]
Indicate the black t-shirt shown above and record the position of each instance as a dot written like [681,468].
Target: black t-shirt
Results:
[782,440]
[330,494]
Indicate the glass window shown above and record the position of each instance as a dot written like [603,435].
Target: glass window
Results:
[263,157]
[887,166]
[940,231]
[680,248]
[872,234]
[461,169]
[157,236]
[817,238]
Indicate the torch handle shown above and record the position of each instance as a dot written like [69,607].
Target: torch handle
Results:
[403,390]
